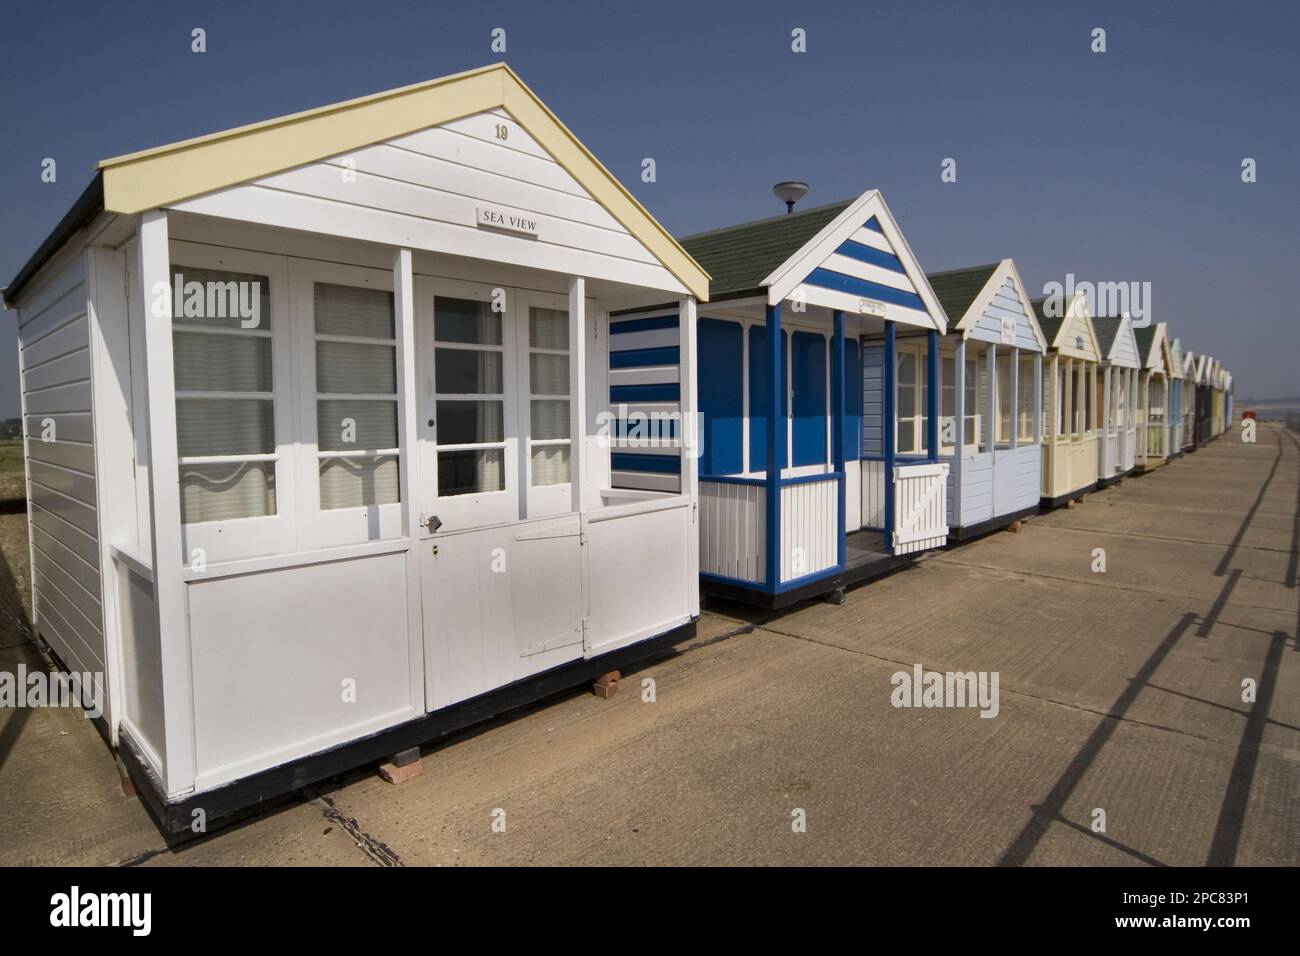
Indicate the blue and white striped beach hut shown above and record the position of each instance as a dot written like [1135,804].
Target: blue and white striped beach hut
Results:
[800,491]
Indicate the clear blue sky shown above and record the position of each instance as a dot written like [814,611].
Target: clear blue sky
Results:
[1116,166]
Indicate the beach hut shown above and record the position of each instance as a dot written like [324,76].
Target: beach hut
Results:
[1227,400]
[1120,362]
[820,325]
[990,375]
[1191,398]
[1220,409]
[1154,396]
[1069,402]
[1175,413]
[1204,400]
[314,453]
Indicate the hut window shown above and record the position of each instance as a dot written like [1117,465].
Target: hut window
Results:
[1003,437]
[225,394]
[548,396]
[912,417]
[1087,401]
[1025,401]
[356,396]
[469,384]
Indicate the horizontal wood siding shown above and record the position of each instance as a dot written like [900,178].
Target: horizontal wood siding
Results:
[645,380]
[423,190]
[977,488]
[54,346]
[873,398]
[1006,304]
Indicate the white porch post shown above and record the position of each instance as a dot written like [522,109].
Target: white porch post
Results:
[408,433]
[690,461]
[959,425]
[1106,409]
[1013,413]
[578,392]
[154,270]
[404,313]
[991,399]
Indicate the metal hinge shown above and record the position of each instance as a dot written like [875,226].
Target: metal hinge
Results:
[586,634]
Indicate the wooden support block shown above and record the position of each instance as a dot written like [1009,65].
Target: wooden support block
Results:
[1071,504]
[835,597]
[606,685]
[1014,527]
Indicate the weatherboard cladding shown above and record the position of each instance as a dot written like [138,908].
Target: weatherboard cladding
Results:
[648,343]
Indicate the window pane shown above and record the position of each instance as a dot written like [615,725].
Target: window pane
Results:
[220,299]
[349,310]
[550,465]
[470,472]
[224,426]
[222,492]
[465,423]
[548,328]
[550,419]
[463,320]
[948,381]
[355,482]
[222,363]
[1025,401]
[467,372]
[357,369]
[368,425]
[906,400]
[1004,398]
[548,374]
[906,368]
[906,434]
[1087,402]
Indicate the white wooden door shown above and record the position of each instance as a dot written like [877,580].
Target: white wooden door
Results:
[466,373]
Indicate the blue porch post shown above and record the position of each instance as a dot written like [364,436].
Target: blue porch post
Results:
[837,422]
[891,429]
[932,393]
[776,438]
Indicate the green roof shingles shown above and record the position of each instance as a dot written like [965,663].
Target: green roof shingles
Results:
[739,258]
[1107,328]
[1050,325]
[957,288]
[1145,337]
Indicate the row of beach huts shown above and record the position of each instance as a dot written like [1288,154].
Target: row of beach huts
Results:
[352,428]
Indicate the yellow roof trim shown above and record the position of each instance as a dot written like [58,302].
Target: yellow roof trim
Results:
[168,174]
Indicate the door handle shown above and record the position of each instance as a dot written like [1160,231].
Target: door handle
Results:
[433,523]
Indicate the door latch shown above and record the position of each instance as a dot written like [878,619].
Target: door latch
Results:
[433,523]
